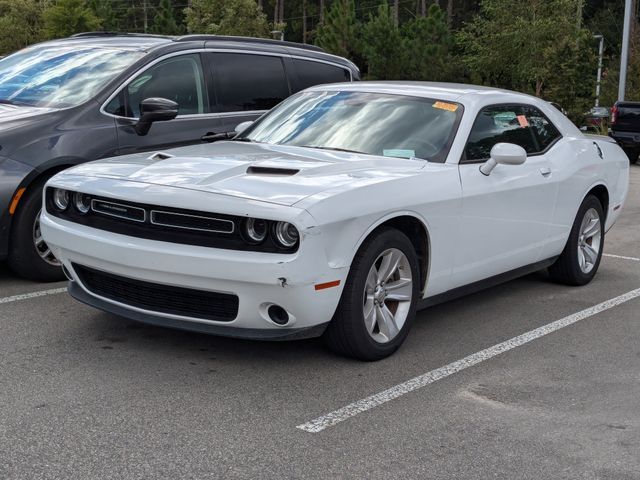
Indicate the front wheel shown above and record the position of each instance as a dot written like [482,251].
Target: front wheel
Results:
[580,259]
[378,303]
[29,255]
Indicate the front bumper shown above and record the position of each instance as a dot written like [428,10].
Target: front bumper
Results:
[258,279]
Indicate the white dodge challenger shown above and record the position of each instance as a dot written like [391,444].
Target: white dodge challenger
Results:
[339,213]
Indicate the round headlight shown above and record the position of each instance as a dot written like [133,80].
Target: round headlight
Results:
[61,198]
[286,235]
[82,202]
[255,230]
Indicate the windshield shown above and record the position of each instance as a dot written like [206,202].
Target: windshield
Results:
[59,76]
[371,123]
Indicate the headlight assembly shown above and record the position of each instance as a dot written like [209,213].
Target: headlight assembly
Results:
[82,202]
[61,199]
[285,235]
[255,230]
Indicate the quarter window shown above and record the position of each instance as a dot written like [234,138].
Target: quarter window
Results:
[177,78]
[315,73]
[248,82]
[519,124]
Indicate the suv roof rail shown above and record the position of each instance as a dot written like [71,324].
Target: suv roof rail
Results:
[264,41]
[117,34]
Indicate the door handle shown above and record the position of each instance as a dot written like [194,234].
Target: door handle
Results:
[545,171]
[214,137]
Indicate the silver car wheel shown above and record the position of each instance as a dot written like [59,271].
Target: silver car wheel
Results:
[387,295]
[41,247]
[589,241]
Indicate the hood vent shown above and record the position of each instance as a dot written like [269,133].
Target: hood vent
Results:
[281,172]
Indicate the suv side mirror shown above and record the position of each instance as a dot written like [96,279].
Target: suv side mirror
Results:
[504,154]
[241,127]
[155,110]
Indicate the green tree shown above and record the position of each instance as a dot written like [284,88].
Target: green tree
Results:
[534,46]
[340,32]
[20,24]
[165,22]
[227,17]
[103,9]
[383,47]
[429,43]
[66,17]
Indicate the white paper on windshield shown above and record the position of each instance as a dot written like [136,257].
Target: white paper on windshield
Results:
[395,152]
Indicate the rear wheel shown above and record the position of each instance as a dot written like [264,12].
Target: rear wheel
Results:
[580,259]
[29,255]
[378,303]
[632,153]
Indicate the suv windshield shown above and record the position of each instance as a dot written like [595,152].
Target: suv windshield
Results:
[371,123]
[59,76]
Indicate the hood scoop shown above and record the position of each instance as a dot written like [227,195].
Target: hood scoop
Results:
[271,171]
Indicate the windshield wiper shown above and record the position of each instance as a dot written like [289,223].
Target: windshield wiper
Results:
[7,102]
[248,140]
[333,148]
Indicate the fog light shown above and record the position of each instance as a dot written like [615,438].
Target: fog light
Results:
[278,315]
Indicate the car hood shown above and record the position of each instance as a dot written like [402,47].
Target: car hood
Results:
[13,116]
[271,173]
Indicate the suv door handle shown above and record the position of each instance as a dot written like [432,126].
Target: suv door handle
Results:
[545,171]
[214,137]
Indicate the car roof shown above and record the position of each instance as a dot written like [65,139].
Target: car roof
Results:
[148,42]
[455,92]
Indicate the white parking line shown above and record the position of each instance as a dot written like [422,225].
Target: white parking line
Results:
[27,296]
[622,257]
[360,406]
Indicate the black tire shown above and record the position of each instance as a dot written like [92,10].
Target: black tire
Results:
[567,269]
[632,153]
[23,257]
[347,334]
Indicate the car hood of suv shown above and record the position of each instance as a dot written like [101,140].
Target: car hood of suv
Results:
[271,173]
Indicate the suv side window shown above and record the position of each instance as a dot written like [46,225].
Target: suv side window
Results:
[523,125]
[246,82]
[312,73]
[179,78]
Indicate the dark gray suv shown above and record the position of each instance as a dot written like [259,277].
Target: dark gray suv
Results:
[97,95]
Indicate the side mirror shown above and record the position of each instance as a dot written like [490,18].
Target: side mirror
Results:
[504,154]
[155,110]
[241,127]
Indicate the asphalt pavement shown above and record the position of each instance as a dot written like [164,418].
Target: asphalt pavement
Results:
[87,395]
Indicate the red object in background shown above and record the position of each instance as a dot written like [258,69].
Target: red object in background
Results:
[614,114]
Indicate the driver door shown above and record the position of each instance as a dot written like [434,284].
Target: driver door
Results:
[178,78]
[505,216]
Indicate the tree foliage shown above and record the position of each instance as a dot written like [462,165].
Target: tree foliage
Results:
[66,17]
[20,24]
[534,46]
[227,17]
[340,33]
[164,22]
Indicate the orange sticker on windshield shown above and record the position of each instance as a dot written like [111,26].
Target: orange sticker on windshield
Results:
[522,120]
[450,107]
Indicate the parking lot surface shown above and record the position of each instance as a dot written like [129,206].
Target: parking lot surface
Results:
[85,395]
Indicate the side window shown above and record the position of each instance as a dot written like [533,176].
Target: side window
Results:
[248,82]
[315,73]
[503,123]
[543,130]
[177,78]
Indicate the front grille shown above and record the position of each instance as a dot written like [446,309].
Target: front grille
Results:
[222,307]
[165,224]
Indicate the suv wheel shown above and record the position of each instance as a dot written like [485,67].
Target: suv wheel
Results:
[29,255]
